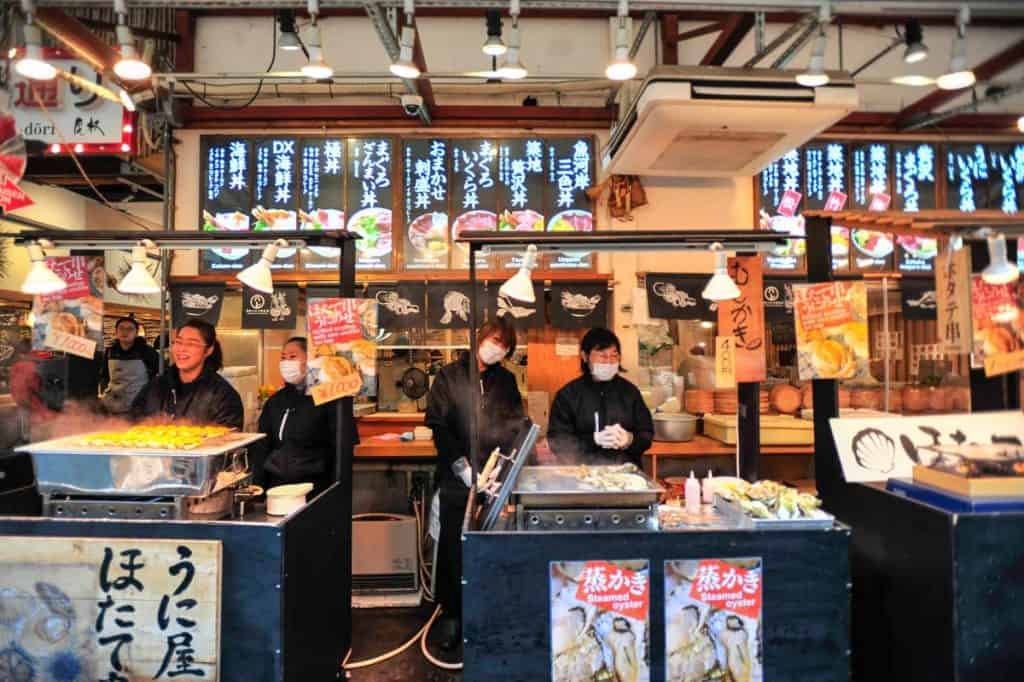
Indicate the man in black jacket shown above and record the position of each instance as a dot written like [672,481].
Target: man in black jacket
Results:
[192,390]
[127,366]
[600,418]
[448,410]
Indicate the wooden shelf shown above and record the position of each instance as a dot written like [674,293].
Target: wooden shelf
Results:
[378,448]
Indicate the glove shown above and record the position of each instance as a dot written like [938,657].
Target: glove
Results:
[620,437]
[605,439]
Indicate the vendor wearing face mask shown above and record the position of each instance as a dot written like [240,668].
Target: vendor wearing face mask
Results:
[299,447]
[600,418]
[451,398]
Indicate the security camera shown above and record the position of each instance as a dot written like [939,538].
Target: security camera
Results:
[411,104]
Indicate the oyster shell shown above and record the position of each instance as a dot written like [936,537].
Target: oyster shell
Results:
[874,450]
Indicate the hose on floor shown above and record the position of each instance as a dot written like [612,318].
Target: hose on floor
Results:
[420,635]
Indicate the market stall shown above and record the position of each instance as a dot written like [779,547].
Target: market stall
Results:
[564,563]
[935,591]
[206,581]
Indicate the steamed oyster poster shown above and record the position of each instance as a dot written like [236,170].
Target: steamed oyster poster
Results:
[600,621]
[831,329]
[713,620]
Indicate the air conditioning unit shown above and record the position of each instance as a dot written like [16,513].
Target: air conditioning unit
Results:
[721,122]
[385,563]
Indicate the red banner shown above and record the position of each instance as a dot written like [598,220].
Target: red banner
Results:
[336,320]
[12,197]
[728,587]
[880,202]
[605,585]
[743,318]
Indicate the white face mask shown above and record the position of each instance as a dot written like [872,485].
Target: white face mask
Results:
[490,353]
[604,372]
[292,371]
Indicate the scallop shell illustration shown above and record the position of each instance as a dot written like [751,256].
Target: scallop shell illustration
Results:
[874,450]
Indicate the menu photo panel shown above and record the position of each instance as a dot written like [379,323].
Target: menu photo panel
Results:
[914,176]
[322,203]
[275,204]
[567,207]
[428,239]
[226,188]
[521,182]
[474,193]
[870,165]
[369,201]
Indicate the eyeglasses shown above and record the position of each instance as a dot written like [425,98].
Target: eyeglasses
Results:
[188,343]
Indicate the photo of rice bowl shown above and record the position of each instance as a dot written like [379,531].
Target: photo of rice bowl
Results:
[373,225]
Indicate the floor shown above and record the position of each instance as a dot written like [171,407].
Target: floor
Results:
[376,631]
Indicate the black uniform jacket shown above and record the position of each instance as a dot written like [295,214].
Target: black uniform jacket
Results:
[210,399]
[448,408]
[571,423]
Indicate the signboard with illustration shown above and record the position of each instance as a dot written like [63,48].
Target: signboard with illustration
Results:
[600,620]
[369,201]
[997,326]
[203,301]
[277,310]
[427,238]
[953,300]
[71,320]
[343,333]
[107,608]
[713,614]
[831,329]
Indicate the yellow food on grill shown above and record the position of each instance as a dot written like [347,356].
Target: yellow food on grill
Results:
[161,437]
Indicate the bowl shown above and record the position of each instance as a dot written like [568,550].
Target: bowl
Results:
[282,500]
[674,427]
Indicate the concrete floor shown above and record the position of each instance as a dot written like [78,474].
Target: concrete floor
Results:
[376,631]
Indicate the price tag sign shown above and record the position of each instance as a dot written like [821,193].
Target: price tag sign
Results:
[725,362]
[789,203]
[835,201]
[1004,363]
[70,343]
[880,202]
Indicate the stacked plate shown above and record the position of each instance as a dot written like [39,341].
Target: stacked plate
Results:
[725,401]
[699,401]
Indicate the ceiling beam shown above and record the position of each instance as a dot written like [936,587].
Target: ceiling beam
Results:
[713,27]
[872,122]
[669,39]
[734,30]
[986,71]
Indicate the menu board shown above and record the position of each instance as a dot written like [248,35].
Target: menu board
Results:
[474,192]
[869,173]
[840,249]
[914,176]
[322,190]
[275,197]
[369,201]
[985,176]
[566,204]
[824,172]
[916,254]
[831,329]
[427,238]
[871,251]
[521,182]
[227,180]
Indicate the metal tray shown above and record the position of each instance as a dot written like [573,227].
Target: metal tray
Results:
[65,467]
[560,486]
[733,513]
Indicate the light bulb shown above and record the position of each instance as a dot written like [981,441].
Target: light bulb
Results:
[138,280]
[913,80]
[494,46]
[1020,124]
[958,76]
[815,76]
[32,64]
[316,68]
[621,68]
[512,69]
[404,67]
[129,67]
[720,287]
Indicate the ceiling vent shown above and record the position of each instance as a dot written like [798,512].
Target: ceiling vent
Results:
[715,122]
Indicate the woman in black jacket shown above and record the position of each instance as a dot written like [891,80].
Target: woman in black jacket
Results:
[300,445]
[600,418]
[191,390]
[451,398]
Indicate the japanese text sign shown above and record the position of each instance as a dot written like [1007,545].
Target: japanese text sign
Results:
[615,589]
[724,586]
[995,313]
[880,202]
[70,343]
[128,609]
[953,300]
[335,320]
[835,202]
[789,204]
[725,362]
[743,318]
[74,270]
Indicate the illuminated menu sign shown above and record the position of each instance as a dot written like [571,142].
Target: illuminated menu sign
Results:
[916,254]
[226,198]
[566,204]
[914,176]
[840,249]
[871,251]
[276,199]
[322,190]
[427,237]
[784,174]
[474,192]
[1006,190]
[369,201]
[824,172]
[869,173]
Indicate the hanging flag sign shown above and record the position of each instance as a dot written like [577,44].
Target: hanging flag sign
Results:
[400,308]
[191,301]
[778,300]
[880,202]
[523,315]
[918,299]
[676,297]
[614,593]
[270,311]
[342,332]
[448,305]
[743,318]
[953,300]
[13,197]
[579,306]
[335,320]
[713,612]
[995,311]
